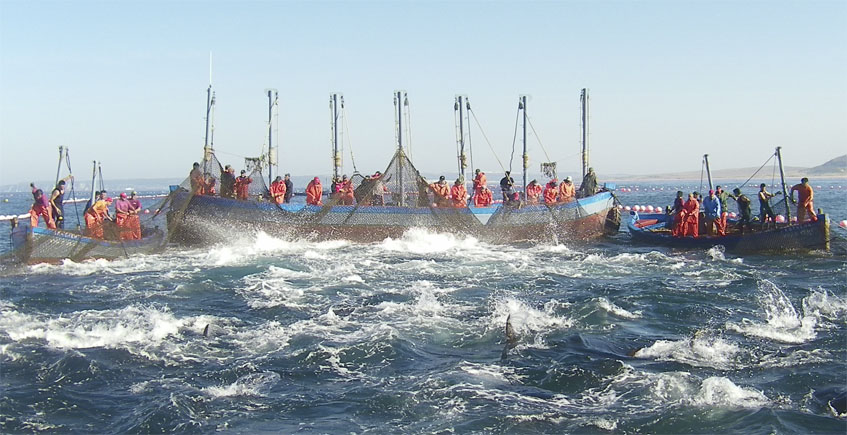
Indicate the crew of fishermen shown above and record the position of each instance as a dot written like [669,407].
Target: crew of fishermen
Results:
[686,214]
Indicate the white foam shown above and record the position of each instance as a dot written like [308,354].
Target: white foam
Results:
[254,384]
[782,321]
[721,392]
[700,351]
[609,307]
[423,241]
[528,321]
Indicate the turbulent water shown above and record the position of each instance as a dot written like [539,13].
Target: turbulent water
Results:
[408,335]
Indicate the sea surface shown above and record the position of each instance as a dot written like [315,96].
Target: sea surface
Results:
[408,336]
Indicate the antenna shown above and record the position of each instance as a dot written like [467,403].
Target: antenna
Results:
[210,67]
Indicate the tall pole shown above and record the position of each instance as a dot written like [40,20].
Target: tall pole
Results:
[93,180]
[525,155]
[207,150]
[272,98]
[462,157]
[583,98]
[782,180]
[59,167]
[708,171]
[400,155]
[336,157]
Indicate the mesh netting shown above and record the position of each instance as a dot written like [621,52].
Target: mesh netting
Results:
[223,185]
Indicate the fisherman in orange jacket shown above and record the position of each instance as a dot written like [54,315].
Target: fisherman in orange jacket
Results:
[345,192]
[95,216]
[483,198]
[533,192]
[479,181]
[551,193]
[314,191]
[691,217]
[242,184]
[459,194]
[567,191]
[678,214]
[277,190]
[442,192]
[805,201]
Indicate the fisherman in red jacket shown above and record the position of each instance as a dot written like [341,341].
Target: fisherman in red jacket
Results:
[533,192]
[345,192]
[277,190]
[479,181]
[242,184]
[483,198]
[442,192]
[314,191]
[567,191]
[691,217]
[459,194]
[678,214]
[805,198]
[551,193]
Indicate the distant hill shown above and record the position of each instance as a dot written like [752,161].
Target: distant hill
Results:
[836,166]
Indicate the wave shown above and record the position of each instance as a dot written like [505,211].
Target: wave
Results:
[782,322]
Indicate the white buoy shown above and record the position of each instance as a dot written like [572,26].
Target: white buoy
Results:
[659,209]
[780,219]
[627,208]
[649,209]
[843,224]
[732,214]
[147,211]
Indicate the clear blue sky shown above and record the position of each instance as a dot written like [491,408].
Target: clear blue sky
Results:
[125,82]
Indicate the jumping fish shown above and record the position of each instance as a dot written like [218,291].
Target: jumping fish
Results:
[511,338]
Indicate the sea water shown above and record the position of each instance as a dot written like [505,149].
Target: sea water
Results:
[408,335]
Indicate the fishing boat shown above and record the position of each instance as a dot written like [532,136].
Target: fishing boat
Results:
[387,204]
[655,229]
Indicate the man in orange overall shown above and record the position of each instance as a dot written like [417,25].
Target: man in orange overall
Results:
[533,192]
[567,191]
[442,192]
[459,194]
[242,184]
[314,191]
[805,198]
[345,192]
[479,181]
[134,220]
[691,217]
[95,216]
[122,211]
[551,192]
[678,215]
[40,207]
[484,197]
[277,190]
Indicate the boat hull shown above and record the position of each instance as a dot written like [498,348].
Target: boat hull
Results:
[208,219]
[803,237]
[42,245]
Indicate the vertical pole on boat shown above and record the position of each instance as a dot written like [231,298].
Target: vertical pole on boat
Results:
[525,155]
[93,180]
[708,171]
[782,180]
[462,157]
[583,98]
[272,98]
[59,168]
[207,150]
[336,158]
[400,156]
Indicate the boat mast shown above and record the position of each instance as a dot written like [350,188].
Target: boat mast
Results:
[462,157]
[399,103]
[782,180]
[522,105]
[59,167]
[273,96]
[93,180]
[336,157]
[207,150]
[708,171]
[583,98]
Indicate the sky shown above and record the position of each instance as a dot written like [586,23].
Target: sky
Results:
[124,83]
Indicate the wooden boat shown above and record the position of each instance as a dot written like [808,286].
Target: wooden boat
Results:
[653,229]
[41,245]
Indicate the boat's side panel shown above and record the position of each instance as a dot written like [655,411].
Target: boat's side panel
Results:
[45,245]
[582,219]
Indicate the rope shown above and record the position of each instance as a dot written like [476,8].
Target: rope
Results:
[757,171]
[470,148]
[408,113]
[486,140]
[702,169]
[538,138]
[346,129]
[514,138]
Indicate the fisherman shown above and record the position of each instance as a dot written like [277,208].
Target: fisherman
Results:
[289,188]
[567,191]
[441,191]
[228,182]
[459,194]
[277,190]
[479,181]
[134,219]
[677,213]
[242,186]
[122,208]
[533,192]
[484,197]
[95,216]
[378,188]
[506,184]
[589,184]
[209,185]
[195,177]
[691,216]
[712,209]
[765,211]
[551,192]
[722,195]
[89,202]
[345,191]
[314,191]
[40,208]
[57,203]
[744,210]
[805,201]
